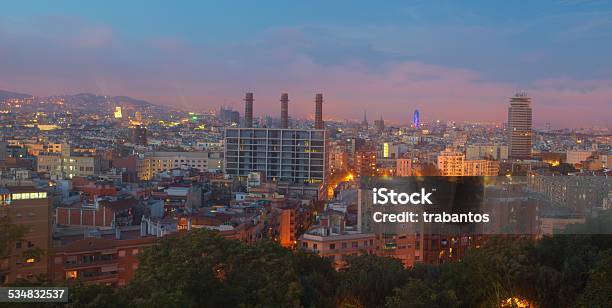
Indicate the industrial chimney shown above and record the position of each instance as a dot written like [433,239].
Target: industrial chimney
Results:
[319,111]
[284,110]
[248,110]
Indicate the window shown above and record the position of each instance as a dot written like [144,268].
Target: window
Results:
[344,245]
[71,275]
[134,251]
[314,246]
[121,253]
[71,260]
[332,246]
[354,244]
[18,245]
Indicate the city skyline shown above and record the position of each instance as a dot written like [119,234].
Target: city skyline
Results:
[306,154]
[472,56]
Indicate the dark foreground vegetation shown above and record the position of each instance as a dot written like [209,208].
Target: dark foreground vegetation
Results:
[202,269]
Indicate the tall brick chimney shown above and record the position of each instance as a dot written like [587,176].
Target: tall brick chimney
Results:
[284,110]
[319,111]
[248,110]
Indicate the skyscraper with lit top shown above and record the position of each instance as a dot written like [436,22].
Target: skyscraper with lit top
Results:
[416,120]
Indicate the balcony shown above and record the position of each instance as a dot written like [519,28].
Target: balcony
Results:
[95,263]
[101,277]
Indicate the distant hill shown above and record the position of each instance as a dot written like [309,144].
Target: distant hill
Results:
[7,95]
[94,101]
[86,102]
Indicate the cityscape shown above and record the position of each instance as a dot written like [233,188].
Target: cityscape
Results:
[247,201]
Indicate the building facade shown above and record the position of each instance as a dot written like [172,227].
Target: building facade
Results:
[450,163]
[480,167]
[481,151]
[58,165]
[519,127]
[29,208]
[365,163]
[155,162]
[296,156]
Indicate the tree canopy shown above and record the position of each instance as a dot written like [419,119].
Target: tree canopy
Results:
[203,269]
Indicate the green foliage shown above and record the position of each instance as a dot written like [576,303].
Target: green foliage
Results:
[202,269]
[420,293]
[90,296]
[368,279]
[10,233]
[318,279]
[483,278]
[205,270]
[598,290]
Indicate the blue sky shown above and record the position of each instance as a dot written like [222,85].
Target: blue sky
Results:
[451,59]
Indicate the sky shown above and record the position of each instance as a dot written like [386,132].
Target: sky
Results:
[452,60]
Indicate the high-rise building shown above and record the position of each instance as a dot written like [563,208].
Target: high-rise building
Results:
[28,257]
[137,135]
[519,126]
[289,155]
[228,115]
[296,157]
[416,119]
[379,125]
[118,114]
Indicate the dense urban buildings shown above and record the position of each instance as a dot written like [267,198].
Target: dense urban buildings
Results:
[99,187]
[221,182]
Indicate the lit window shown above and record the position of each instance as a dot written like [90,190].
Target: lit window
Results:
[71,275]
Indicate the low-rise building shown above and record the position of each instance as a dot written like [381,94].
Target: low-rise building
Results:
[110,259]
